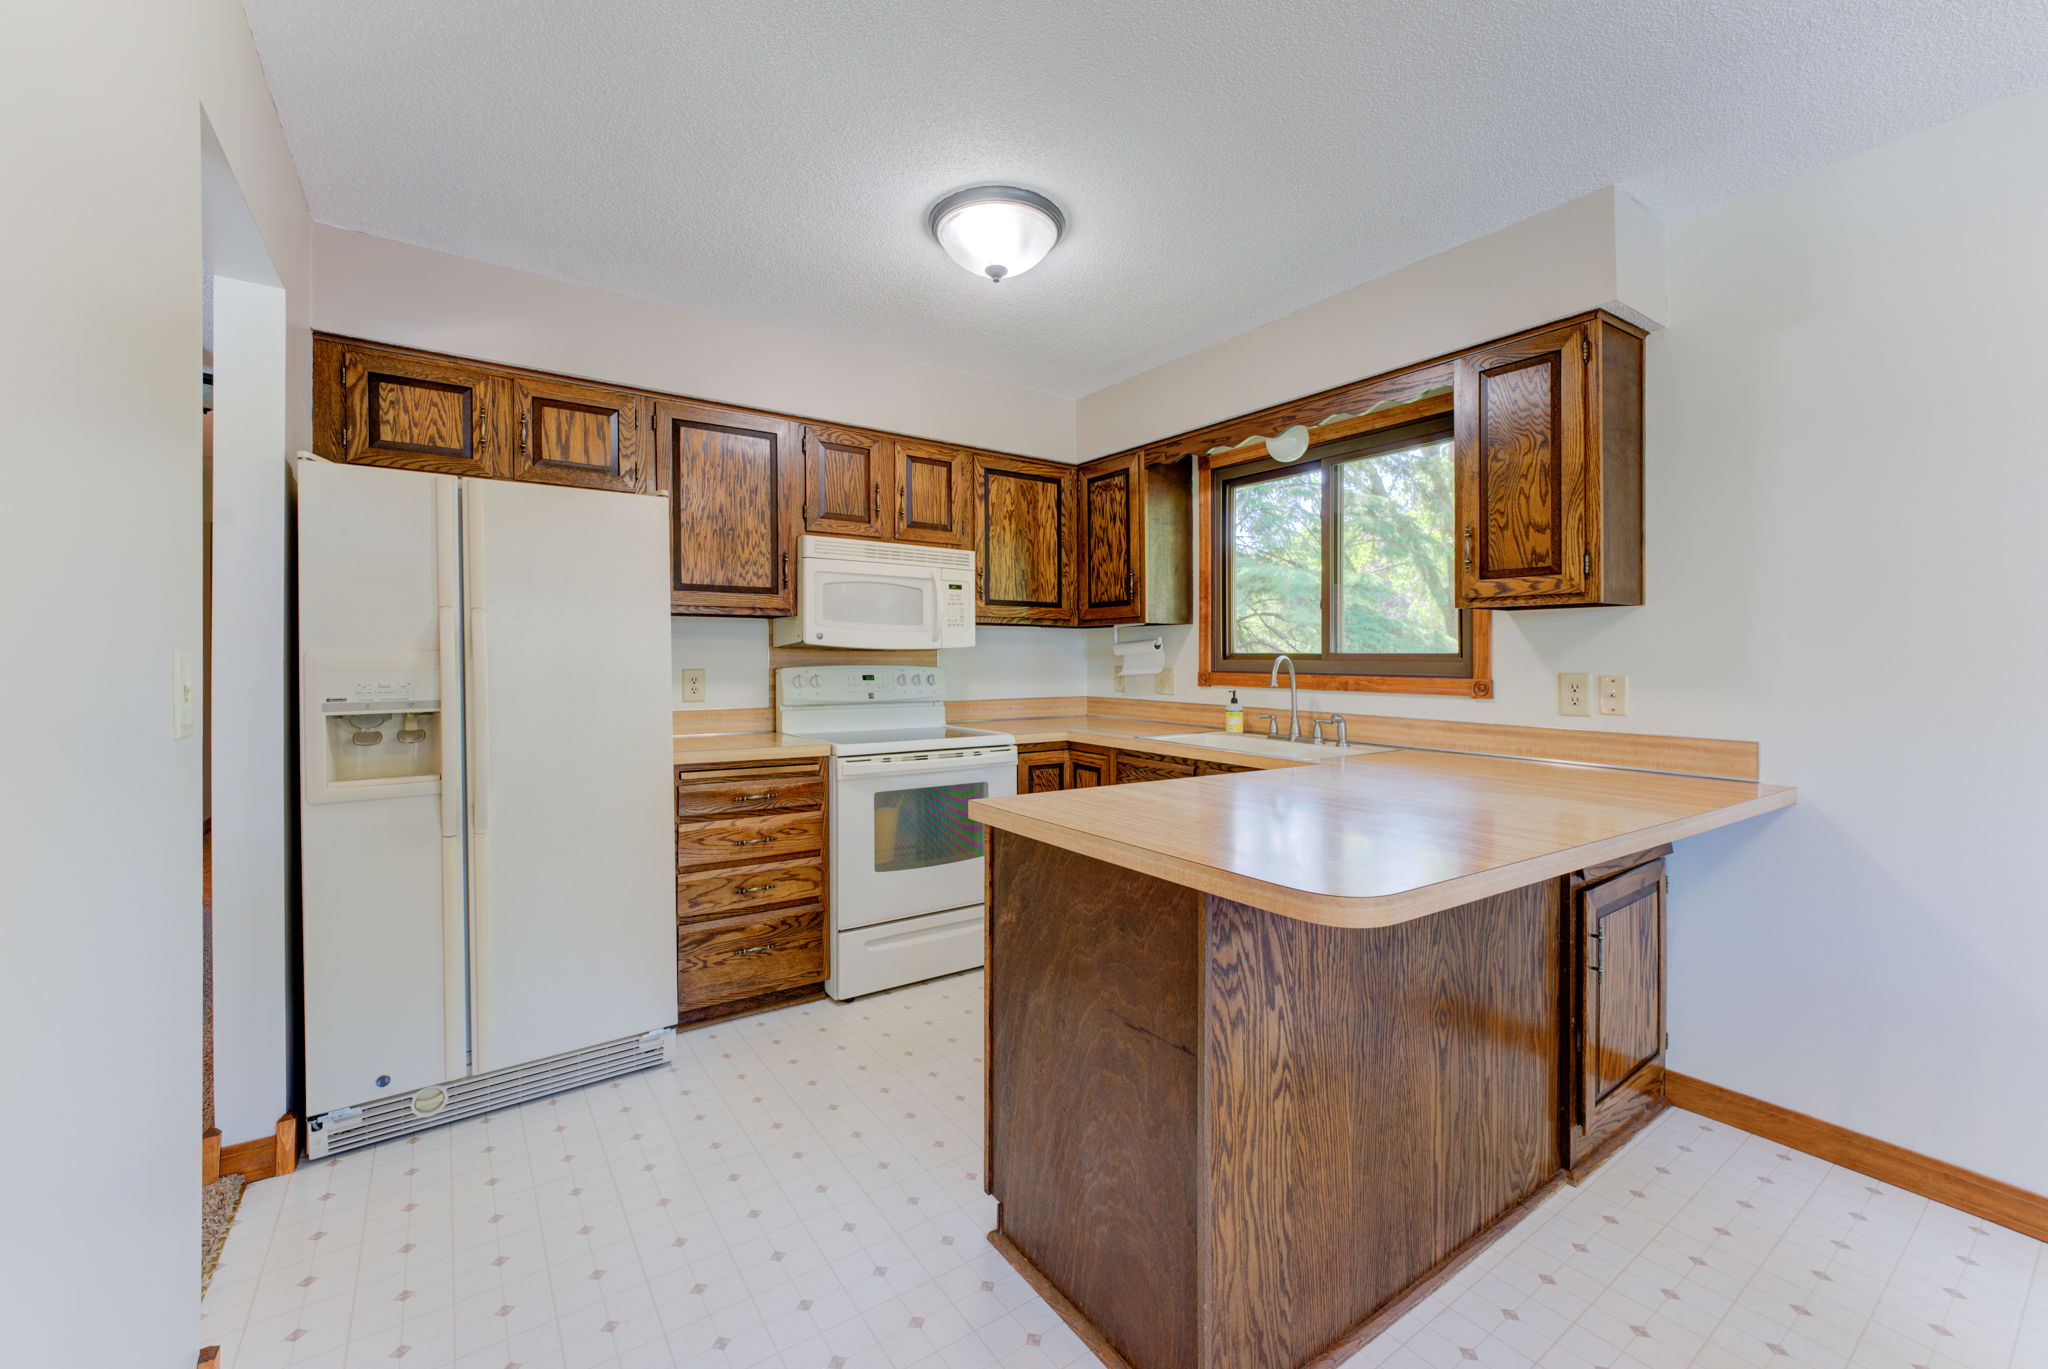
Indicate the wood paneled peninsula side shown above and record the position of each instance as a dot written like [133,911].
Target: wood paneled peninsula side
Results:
[1270,1054]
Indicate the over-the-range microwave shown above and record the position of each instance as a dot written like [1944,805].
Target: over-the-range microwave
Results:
[880,596]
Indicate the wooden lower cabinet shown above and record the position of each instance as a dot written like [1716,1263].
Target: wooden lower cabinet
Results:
[723,962]
[1089,766]
[1615,1057]
[1043,768]
[751,888]
[1221,768]
[1135,767]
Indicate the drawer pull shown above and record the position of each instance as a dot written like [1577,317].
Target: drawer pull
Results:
[754,888]
[754,798]
[753,950]
[753,841]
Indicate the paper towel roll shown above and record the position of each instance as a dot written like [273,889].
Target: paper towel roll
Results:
[1141,658]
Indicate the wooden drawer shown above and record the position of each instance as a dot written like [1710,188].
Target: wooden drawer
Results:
[1134,767]
[742,957]
[714,893]
[728,841]
[1220,768]
[770,792]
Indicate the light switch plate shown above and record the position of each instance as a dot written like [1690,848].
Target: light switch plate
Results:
[1575,696]
[1613,695]
[693,685]
[184,696]
[1119,683]
[1162,683]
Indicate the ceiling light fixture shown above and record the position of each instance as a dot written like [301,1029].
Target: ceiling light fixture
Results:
[996,230]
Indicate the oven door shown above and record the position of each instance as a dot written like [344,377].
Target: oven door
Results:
[902,843]
[879,608]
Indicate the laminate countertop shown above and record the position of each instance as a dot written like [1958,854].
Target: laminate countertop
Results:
[1369,840]
[714,748]
[1138,734]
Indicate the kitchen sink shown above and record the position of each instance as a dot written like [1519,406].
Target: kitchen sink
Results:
[1262,746]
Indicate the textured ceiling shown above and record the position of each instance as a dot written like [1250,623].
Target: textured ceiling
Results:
[1221,163]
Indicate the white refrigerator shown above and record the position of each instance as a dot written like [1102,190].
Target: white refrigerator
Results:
[486,840]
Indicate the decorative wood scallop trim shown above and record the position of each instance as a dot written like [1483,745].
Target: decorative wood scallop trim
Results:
[1718,758]
[1994,1200]
[1429,406]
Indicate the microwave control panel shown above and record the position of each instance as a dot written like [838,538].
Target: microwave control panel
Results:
[834,684]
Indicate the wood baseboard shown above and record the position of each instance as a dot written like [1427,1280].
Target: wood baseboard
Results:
[263,1158]
[1992,1199]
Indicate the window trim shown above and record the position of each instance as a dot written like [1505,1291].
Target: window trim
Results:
[1471,677]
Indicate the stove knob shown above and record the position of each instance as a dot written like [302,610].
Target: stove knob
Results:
[899,677]
[814,682]
[931,679]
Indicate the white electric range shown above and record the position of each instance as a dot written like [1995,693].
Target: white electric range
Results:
[906,862]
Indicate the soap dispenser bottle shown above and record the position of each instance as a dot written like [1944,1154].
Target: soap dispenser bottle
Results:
[1233,714]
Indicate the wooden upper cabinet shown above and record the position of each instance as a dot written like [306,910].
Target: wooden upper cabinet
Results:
[380,408]
[1549,469]
[1134,547]
[1620,1022]
[934,500]
[583,435]
[735,483]
[1024,534]
[847,475]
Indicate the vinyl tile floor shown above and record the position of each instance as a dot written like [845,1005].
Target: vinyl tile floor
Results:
[803,1189]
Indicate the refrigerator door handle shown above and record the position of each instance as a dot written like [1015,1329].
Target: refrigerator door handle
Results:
[479,723]
[451,738]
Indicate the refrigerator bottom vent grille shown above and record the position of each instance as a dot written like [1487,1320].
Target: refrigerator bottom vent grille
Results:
[365,1124]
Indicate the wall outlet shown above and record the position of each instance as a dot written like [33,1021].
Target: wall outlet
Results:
[1613,694]
[693,685]
[1119,683]
[1575,696]
[1162,683]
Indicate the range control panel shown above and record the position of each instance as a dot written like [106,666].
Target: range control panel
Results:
[841,684]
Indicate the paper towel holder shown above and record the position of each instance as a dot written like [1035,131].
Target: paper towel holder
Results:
[1115,641]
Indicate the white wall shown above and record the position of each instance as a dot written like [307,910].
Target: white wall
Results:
[100,556]
[388,291]
[1843,476]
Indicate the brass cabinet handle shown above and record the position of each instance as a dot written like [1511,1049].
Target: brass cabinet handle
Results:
[753,950]
[785,572]
[878,499]
[754,888]
[525,419]
[1468,546]
[753,841]
[483,427]
[756,798]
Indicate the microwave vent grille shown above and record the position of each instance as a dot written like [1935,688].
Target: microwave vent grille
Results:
[887,553]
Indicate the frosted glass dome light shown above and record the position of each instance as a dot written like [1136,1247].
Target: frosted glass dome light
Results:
[997,231]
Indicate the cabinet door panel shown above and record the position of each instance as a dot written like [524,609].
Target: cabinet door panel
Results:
[1025,527]
[1042,772]
[580,435]
[845,474]
[933,504]
[1522,468]
[1111,540]
[411,412]
[735,486]
[1136,767]
[1620,1022]
[1089,769]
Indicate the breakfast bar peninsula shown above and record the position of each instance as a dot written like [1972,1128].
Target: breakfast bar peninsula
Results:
[1271,1053]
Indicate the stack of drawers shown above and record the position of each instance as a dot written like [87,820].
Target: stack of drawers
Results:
[750,885]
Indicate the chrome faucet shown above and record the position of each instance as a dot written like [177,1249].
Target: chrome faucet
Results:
[1293,696]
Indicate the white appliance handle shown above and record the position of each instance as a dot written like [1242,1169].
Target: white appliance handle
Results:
[865,768]
[479,721]
[450,646]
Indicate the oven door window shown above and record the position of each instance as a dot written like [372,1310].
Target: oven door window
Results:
[916,829]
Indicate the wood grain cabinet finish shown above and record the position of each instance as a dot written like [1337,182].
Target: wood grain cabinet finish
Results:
[1137,767]
[847,478]
[1043,768]
[1617,1051]
[723,963]
[579,435]
[1090,767]
[1134,544]
[388,408]
[934,494]
[735,483]
[1548,451]
[751,887]
[1024,536]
